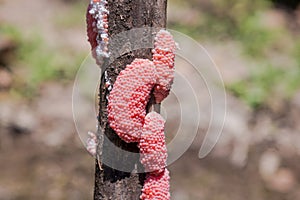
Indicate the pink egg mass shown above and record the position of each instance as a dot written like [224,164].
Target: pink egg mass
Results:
[127,114]
[156,186]
[163,59]
[128,99]
[153,150]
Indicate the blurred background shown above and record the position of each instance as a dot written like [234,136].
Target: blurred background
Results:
[256,45]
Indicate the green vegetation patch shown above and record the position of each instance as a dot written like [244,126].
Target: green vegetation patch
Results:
[266,83]
[35,62]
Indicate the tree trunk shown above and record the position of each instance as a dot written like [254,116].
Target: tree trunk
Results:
[111,183]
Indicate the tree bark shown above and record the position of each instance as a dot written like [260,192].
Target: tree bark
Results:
[111,183]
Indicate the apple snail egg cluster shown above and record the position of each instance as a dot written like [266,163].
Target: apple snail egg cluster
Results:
[97,29]
[127,112]
[153,150]
[91,31]
[163,59]
[130,94]
[156,187]
[129,97]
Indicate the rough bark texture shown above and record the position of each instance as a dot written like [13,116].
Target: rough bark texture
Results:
[124,15]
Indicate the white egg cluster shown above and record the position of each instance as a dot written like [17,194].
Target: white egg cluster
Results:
[92,143]
[97,21]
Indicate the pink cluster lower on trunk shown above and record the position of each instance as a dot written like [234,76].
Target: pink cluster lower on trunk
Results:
[156,187]
[153,150]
